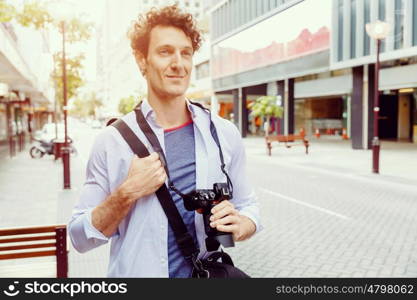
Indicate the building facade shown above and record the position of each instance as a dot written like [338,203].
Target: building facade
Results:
[118,75]
[318,60]
[26,96]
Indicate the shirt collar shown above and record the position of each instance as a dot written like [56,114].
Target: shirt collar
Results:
[148,111]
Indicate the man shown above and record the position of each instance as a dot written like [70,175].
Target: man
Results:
[118,200]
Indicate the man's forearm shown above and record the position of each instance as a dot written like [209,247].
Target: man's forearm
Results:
[248,228]
[107,216]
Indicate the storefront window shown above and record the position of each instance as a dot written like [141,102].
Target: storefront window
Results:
[323,114]
[300,116]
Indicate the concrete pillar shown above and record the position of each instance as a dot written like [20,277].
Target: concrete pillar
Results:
[370,106]
[240,111]
[236,109]
[281,93]
[290,106]
[214,104]
[357,108]
[245,113]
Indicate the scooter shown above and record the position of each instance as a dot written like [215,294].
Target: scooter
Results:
[43,147]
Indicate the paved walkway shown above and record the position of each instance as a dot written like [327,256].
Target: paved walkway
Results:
[31,190]
[398,160]
[31,193]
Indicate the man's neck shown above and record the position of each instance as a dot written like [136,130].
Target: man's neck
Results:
[170,112]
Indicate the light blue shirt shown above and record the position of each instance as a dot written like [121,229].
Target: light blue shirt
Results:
[139,246]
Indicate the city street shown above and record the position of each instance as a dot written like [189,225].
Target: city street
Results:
[318,222]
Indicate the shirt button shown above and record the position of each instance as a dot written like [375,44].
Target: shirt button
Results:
[162,260]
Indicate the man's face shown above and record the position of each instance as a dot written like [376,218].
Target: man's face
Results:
[169,61]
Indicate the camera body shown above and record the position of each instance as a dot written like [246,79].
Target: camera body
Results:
[206,199]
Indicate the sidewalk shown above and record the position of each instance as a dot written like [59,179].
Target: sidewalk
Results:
[31,190]
[31,193]
[398,160]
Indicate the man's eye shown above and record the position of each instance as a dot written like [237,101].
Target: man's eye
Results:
[164,51]
[187,54]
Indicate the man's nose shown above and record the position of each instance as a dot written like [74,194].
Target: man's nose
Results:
[176,61]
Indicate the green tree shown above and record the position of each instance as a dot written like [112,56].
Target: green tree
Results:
[75,79]
[127,104]
[36,14]
[7,12]
[93,103]
[266,106]
[86,106]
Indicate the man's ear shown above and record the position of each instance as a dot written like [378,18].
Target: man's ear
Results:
[141,61]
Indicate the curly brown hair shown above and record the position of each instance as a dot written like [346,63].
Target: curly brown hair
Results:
[139,33]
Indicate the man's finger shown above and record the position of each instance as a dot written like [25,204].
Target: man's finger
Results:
[221,205]
[231,219]
[157,164]
[153,156]
[233,228]
[222,213]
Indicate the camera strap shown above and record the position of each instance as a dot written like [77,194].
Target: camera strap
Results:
[153,140]
[184,240]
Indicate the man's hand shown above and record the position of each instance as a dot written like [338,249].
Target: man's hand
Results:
[145,176]
[226,218]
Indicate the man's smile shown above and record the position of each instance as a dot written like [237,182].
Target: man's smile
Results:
[175,76]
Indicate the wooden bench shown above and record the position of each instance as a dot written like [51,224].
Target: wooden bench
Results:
[286,139]
[40,241]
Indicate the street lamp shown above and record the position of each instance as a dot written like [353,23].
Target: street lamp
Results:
[61,11]
[377,30]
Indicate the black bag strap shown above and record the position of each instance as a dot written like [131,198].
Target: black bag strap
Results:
[184,240]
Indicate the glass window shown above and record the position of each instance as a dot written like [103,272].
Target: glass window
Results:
[353,29]
[252,10]
[367,39]
[228,18]
[399,24]
[258,8]
[266,7]
[415,22]
[382,17]
[202,70]
[340,32]
[233,14]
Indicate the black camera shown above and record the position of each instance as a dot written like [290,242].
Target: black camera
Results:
[206,200]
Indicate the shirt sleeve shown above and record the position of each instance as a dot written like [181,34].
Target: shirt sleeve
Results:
[84,236]
[244,197]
